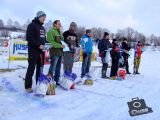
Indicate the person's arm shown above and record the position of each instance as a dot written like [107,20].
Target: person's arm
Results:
[83,43]
[65,37]
[46,41]
[30,36]
[77,42]
[51,39]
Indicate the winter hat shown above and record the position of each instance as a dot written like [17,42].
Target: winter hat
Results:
[88,31]
[40,14]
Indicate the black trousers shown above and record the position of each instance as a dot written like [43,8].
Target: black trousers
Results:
[126,65]
[114,68]
[34,61]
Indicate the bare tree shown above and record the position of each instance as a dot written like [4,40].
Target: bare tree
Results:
[48,25]
[98,32]
[129,32]
[9,23]
[112,36]
[154,40]
[24,27]
[80,31]
[16,24]
[1,23]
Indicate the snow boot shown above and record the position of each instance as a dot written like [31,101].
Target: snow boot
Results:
[137,72]
[29,90]
[113,78]
[104,77]
[104,74]
[88,75]
[128,73]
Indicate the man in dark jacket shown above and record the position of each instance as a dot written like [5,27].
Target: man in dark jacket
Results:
[71,39]
[103,47]
[36,40]
[125,54]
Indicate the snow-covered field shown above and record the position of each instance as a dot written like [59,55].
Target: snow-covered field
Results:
[105,100]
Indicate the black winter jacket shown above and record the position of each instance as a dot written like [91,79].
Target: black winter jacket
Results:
[71,39]
[35,36]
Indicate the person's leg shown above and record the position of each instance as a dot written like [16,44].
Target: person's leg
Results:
[38,69]
[84,64]
[88,63]
[138,64]
[40,65]
[127,67]
[32,60]
[104,68]
[124,61]
[65,62]
[135,64]
[71,62]
[68,61]
[54,62]
[116,67]
[58,70]
[126,64]
[112,69]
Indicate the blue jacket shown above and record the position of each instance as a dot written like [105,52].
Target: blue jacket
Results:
[86,43]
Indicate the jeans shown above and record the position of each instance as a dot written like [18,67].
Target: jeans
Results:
[55,67]
[86,64]
[104,66]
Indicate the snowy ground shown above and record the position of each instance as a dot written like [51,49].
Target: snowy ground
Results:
[105,100]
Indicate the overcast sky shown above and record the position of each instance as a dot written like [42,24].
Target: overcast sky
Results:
[142,15]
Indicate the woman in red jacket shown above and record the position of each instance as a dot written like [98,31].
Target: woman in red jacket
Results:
[137,57]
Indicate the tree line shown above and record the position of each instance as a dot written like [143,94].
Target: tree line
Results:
[132,35]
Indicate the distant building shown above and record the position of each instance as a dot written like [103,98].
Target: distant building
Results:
[11,32]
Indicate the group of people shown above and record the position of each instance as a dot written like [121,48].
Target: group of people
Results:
[36,37]
[119,53]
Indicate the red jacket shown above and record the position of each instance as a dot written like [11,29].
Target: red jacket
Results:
[138,51]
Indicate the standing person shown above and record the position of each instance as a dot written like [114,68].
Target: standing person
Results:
[125,54]
[35,36]
[87,48]
[137,57]
[103,47]
[115,55]
[55,37]
[71,39]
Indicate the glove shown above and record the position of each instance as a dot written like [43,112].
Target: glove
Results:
[84,54]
